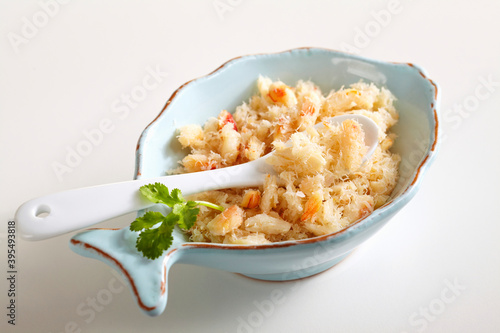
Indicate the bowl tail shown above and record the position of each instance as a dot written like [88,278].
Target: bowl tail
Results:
[147,279]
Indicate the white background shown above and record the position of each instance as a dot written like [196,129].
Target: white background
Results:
[63,78]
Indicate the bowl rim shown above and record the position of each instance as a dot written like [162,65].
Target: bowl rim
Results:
[406,194]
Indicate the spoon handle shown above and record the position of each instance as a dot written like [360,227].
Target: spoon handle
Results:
[66,211]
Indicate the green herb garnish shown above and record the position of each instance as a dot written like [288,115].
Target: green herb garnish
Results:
[152,241]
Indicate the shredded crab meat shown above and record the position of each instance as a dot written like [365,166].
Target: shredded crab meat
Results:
[251,199]
[320,186]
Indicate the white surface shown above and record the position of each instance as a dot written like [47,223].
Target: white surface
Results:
[68,78]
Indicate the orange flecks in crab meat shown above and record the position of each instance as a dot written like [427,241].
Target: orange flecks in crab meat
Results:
[226,118]
[313,205]
[352,92]
[251,199]
[277,94]
[366,210]
[307,108]
[226,221]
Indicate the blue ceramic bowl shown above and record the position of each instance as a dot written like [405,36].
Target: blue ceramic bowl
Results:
[225,88]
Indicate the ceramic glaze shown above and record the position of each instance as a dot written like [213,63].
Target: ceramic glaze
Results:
[234,82]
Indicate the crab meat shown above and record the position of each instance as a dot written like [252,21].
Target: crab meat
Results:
[362,206]
[312,206]
[302,152]
[308,108]
[251,199]
[198,162]
[226,221]
[267,224]
[352,147]
[366,210]
[283,128]
[281,94]
[319,229]
[191,136]
[270,194]
[230,143]
[387,142]
[252,239]
[254,149]
[360,96]
[226,118]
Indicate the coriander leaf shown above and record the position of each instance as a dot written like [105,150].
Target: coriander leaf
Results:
[187,214]
[177,209]
[191,213]
[171,220]
[152,242]
[189,217]
[146,221]
[158,193]
[177,196]
[192,204]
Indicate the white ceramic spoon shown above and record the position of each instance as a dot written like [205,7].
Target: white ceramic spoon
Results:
[66,211]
